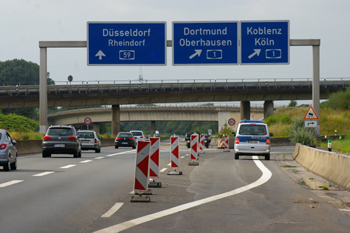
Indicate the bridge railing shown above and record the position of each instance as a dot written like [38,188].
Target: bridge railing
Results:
[189,81]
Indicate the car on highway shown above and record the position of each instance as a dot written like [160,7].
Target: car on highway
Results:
[125,139]
[61,139]
[8,151]
[89,140]
[252,138]
[138,135]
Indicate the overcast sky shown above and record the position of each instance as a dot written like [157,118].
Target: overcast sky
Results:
[26,22]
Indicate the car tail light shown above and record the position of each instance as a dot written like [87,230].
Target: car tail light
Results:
[131,139]
[117,139]
[268,141]
[95,140]
[3,146]
[141,137]
[47,138]
[237,141]
[73,138]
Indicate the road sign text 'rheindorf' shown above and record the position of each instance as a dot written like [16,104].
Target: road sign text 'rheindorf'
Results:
[126,43]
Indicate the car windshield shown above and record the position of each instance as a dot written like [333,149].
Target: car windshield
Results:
[60,131]
[252,130]
[137,133]
[124,135]
[85,135]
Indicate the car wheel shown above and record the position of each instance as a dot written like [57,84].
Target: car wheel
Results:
[236,156]
[134,147]
[115,147]
[45,154]
[7,167]
[14,165]
[75,154]
[267,157]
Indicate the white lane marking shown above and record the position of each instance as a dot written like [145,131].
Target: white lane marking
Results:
[68,166]
[347,210]
[86,161]
[169,164]
[99,157]
[114,209]
[43,174]
[128,224]
[163,169]
[182,157]
[10,183]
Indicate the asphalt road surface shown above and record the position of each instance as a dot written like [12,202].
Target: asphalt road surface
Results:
[92,194]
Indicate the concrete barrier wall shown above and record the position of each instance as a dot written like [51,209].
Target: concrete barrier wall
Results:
[329,165]
[35,146]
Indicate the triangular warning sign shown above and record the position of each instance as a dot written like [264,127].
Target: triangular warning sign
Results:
[310,114]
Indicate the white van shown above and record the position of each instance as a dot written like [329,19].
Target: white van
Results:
[252,138]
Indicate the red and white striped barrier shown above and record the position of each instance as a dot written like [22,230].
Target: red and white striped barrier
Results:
[226,144]
[174,148]
[194,146]
[154,158]
[221,142]
[142,166]
[201,143]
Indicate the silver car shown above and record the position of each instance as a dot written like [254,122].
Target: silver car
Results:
[89,140]
[8,151]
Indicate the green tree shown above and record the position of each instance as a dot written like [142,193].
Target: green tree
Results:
[339,100]
[292,103]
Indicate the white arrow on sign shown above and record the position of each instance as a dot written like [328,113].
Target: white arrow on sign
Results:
[256,52]
[198,52]
[100,54]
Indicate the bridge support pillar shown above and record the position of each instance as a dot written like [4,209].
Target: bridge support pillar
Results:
[268,108]
[153,128]
[115,119]
[245,110]
[96,127]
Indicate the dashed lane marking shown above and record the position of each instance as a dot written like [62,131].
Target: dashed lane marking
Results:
[44,173]
[99,157]
[86,161]
[114,209]
[68,166]
[164,169]
[10,183]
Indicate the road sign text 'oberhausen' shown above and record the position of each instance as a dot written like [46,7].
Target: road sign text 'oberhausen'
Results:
[205,43]
[126,43]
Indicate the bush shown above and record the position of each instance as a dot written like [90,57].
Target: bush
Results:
[299,134]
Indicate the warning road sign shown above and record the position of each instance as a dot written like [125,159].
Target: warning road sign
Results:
[310,114]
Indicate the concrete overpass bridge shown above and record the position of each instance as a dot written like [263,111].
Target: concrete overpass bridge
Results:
[116,94]
[153,114]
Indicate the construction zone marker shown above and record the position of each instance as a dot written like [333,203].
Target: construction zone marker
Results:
[194,150]
[154,163]
[174,156]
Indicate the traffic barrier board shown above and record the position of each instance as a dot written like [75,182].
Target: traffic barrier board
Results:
[201,142]
[126,43]
[194,146]
[154,158]
[142,166]
[174,151]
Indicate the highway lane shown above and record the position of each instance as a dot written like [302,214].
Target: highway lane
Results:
[74,199]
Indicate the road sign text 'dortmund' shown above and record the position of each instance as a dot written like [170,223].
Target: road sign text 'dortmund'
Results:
[126,43]
[205,43]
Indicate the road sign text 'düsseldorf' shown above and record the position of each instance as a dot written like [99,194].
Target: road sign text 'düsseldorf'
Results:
[265,42]
[126,43]
[205,43]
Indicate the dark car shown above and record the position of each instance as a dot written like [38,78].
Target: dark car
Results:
[125,139]
[61,139]
[89,140]
[8,151]
[207,140]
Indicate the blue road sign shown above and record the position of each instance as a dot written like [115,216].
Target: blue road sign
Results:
[205,43]
[265,42]
[126,43]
